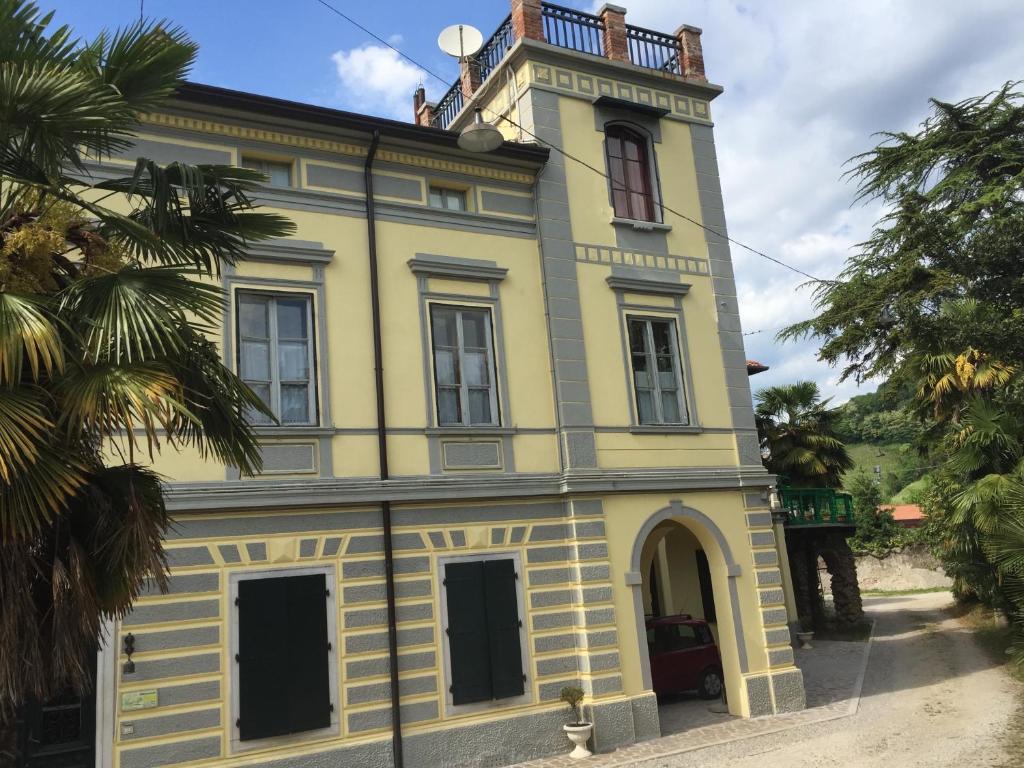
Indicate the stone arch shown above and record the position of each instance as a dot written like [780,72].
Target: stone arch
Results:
[676,512]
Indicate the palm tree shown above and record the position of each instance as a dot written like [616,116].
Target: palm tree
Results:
[797,430]
[108,303]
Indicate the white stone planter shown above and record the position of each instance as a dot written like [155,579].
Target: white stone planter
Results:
[805,639]
[578,735]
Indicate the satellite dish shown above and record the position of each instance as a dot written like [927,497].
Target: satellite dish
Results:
[460,40]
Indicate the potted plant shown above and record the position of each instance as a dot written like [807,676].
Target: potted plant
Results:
[578,731]
[806,633]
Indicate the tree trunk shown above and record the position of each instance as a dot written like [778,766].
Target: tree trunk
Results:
[845,588]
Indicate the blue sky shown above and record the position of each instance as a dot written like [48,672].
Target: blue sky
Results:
[807,84]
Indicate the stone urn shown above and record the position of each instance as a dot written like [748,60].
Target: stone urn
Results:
[805,639]
[579,734]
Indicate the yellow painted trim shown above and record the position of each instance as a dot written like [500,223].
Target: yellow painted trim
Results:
[328,145]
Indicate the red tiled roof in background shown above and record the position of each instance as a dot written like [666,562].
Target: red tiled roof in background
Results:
[755,367]
[909,515]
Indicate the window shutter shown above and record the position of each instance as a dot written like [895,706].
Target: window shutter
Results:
[284,681]
[467,632]
[309,692]
[503,628]
[707,595]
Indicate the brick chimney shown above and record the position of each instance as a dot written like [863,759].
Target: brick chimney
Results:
[616,46]
[422,110]
[527,20]
[691,53]
[469,76]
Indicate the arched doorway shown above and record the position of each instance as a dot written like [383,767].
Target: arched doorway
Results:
[688,620]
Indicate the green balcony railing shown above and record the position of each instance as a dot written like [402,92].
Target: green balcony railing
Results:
[816,506]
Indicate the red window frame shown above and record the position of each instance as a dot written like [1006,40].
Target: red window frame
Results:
[630,170]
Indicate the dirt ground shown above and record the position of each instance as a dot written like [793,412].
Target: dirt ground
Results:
[931,697]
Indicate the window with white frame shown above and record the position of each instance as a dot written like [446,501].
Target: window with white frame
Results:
[279,174]
[657,374]
[276,354]
[464,376]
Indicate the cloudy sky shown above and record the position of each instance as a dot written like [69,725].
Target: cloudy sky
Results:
[807,84]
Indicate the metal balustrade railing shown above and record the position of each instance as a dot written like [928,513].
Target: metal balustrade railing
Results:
[572,29]
[449,106]
[816,506]
[566,28]
[494,50]
[653,50]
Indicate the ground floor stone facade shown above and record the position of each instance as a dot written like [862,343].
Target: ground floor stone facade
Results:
[581,612]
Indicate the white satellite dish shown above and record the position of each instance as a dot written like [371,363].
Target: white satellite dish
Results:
[460,40]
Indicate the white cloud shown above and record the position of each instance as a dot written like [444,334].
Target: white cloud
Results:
[375,80]
[806,86]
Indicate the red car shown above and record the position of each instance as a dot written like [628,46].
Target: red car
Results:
[684,656]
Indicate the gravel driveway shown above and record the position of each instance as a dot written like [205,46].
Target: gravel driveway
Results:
[930,698]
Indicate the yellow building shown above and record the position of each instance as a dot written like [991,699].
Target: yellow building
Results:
[564,441]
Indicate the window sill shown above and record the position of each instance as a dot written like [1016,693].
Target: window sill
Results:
[640,225]
[665,429]
[476,431]
[293,430]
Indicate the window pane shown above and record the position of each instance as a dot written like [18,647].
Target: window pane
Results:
[477,373]
[632,149]
[639,207]
[645,405]
[479,406]
[448,409]
[665,366]
[662,338]
[263,392]
[255,363]
[294,403]
[436,198]
[670,407]
[293,360]
[446,365]
[620,204]
[252,317]
[614,146]
[443,321]
[456,200]
[637,344]
[291,319]
[280,174]
[641,377]
[474,330]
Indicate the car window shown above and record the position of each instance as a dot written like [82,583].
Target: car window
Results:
[679,637]
[705,635]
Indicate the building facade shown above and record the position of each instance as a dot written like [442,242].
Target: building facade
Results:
[569,440]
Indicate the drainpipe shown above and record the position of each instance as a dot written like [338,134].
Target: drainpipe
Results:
[382,451]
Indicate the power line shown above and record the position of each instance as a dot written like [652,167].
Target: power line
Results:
[570,156]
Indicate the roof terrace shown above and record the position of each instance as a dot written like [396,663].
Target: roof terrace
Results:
[604,35]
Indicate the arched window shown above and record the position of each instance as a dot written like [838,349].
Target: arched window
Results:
[630,171]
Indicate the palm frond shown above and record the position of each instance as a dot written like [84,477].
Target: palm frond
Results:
[110,401]
[199,214]
[38,491]
[24,424]
[134,313]
[28,332]
[221,405]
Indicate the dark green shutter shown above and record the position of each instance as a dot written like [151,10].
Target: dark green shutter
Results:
[283,678]
[467,632]
[707,595]
[503,628]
